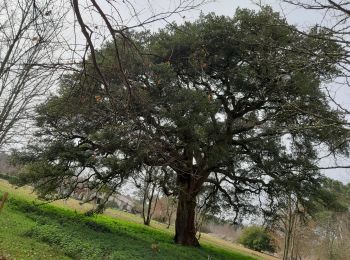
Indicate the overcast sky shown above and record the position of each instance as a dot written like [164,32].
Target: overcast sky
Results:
[296,16]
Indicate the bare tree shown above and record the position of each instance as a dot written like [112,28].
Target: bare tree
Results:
[170,209]
[291,219]
[334,234]
[28,30]
[40,37]
[335,21]
[148,181]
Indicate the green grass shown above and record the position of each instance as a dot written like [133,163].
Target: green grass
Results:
[28,231]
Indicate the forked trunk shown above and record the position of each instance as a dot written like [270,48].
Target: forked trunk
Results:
[185,230]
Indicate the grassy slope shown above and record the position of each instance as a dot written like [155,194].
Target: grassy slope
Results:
[57,232]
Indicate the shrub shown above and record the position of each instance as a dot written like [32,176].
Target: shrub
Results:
[8,177]
[257,238]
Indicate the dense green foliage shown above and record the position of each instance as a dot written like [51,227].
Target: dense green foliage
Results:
[335,196]
[229,107]
[257,238]
[28,231]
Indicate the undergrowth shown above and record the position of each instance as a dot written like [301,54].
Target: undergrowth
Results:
[78,236]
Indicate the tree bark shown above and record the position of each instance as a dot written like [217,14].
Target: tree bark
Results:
[3,200]
[185,230]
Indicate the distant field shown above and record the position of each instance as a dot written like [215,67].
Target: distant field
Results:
[60,231]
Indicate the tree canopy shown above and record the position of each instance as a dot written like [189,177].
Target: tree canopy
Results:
[230,106]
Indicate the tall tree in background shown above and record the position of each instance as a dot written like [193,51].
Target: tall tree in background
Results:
[230,104]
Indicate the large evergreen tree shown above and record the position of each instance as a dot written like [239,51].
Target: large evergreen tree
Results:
[234,105]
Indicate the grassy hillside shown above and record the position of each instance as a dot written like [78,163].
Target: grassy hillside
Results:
[28,231]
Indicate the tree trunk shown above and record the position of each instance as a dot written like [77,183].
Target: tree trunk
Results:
[169,213]
[169,222]
[185,230]
[149,208]
[144,203]
[3,200]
